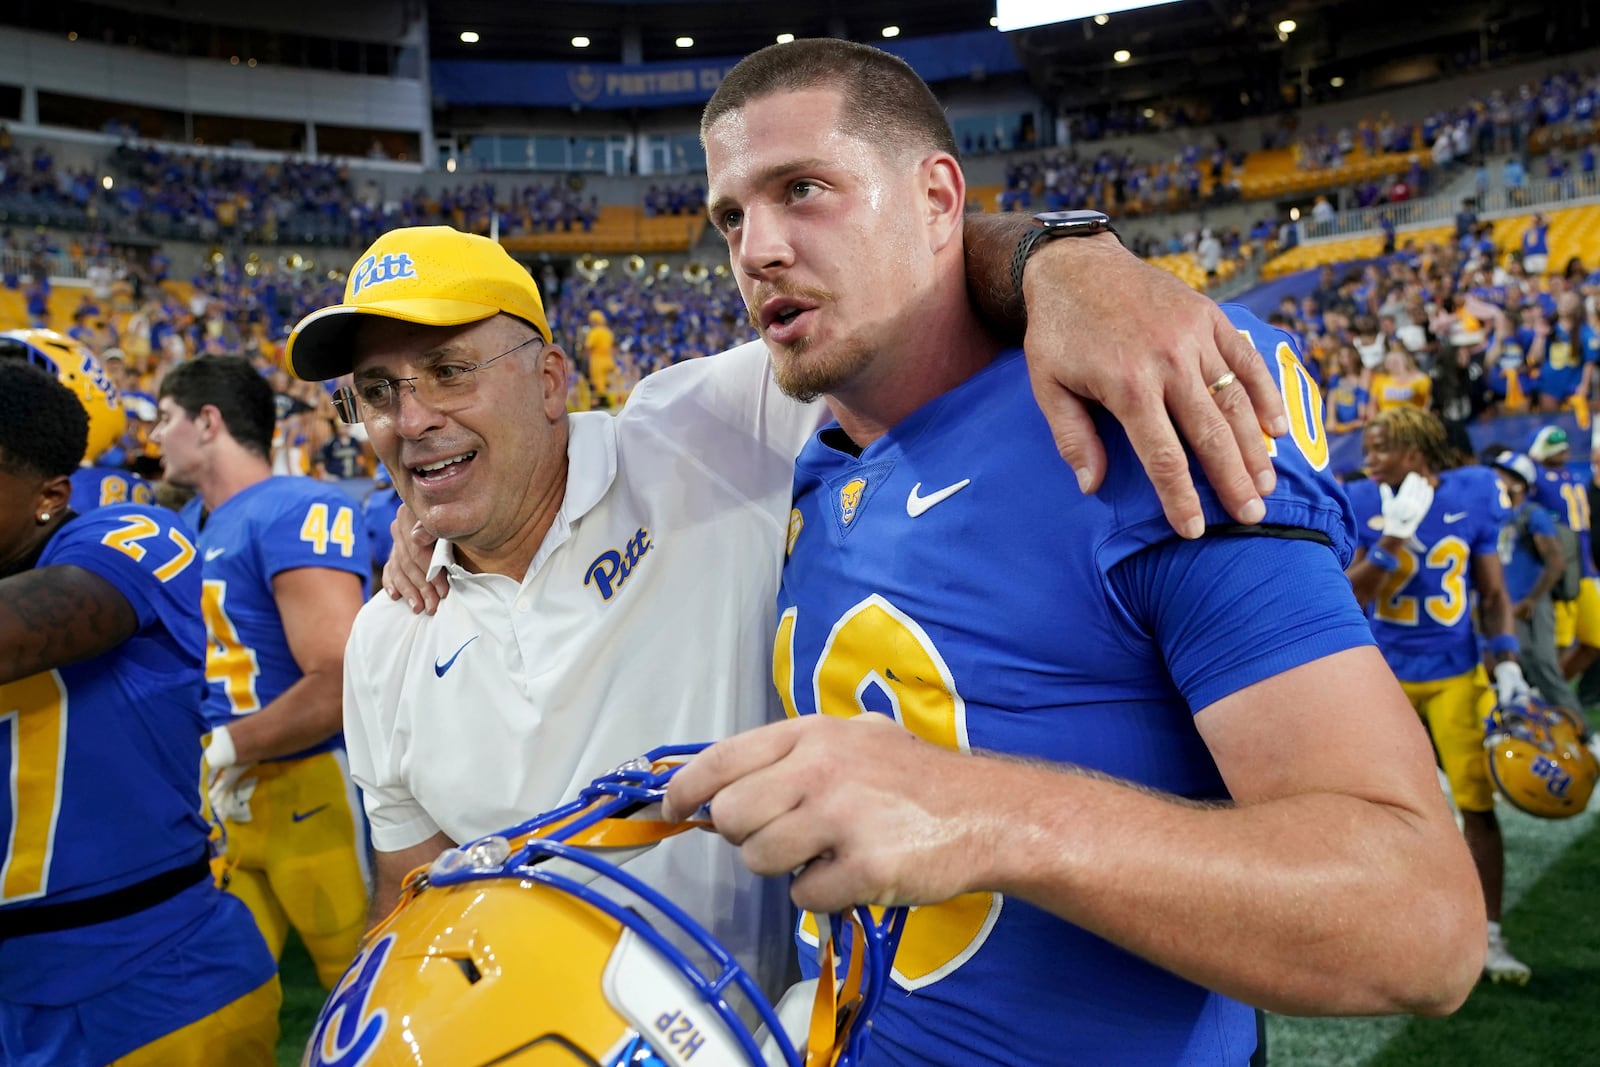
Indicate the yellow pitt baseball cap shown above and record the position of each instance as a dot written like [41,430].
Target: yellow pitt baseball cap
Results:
[430,275]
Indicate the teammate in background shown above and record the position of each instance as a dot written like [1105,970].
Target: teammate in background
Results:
[1192,815]
[1429,542]
[1577,622]
[115,946]
[286,566]
[598,345]
[1530,553]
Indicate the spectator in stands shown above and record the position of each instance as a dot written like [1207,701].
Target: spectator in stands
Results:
[1515,176]
[1209,255]
[1399,383]
[1536,246]
[1347,396]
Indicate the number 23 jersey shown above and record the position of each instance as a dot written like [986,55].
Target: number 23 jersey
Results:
[954,576]
[1422,614]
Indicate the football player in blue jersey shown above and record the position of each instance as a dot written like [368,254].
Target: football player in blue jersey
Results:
[1127,777]
[286,567]
[115,946]
[1563,493]
[1430,540]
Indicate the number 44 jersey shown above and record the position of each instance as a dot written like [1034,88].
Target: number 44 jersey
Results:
[280,524]
[954,576]
[1422,614]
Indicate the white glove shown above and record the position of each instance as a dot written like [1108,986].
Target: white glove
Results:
[1510,687]
[230,794]
[1404,511]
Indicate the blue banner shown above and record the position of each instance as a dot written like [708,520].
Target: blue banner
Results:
[513,83]
[1510,431]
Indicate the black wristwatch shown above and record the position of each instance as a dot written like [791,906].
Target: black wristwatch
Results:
[1048,225]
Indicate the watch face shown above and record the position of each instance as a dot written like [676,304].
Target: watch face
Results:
[1087,221]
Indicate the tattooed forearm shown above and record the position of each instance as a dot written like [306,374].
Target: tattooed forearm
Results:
[54,616]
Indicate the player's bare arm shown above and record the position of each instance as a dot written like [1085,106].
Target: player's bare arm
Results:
[405,574]
[1339,865]
[1553,563]
[53,616]
[389,870]
[1494,604]
[1149,360]
[317,606]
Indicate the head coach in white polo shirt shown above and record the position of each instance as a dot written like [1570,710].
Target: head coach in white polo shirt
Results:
[613,577]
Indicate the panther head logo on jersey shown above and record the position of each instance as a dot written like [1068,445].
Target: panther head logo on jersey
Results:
[850,499]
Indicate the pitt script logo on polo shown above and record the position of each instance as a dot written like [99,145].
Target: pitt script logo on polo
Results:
[612,567]
[375,270]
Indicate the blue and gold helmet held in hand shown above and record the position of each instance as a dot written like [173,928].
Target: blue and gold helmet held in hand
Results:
[1539,759]
[526,948]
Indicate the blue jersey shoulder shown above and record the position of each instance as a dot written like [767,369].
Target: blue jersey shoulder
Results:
[1307,496]
[99,487]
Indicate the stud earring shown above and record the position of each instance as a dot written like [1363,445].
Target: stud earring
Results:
[44,516]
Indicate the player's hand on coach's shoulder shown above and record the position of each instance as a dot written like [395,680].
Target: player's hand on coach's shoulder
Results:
[1105,326]
[405,575]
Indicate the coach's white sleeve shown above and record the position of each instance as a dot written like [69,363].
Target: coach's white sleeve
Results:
[736,390]
[373,745]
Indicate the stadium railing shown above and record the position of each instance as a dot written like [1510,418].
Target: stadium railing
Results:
[1441,209]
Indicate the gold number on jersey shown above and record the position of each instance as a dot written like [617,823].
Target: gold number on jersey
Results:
[33,712]
[1559,355]
[1445,607]
[316,531]
[876,643]
[228,659]
[1577,500]
[113,491]
[126,538]
[1303,401]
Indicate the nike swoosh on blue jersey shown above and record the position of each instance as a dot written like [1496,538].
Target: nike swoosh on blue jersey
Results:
[440,668]
[302,816]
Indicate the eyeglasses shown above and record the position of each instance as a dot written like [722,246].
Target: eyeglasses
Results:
[443,385]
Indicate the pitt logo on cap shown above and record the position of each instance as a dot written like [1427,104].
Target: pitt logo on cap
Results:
[375,270]
[850,499]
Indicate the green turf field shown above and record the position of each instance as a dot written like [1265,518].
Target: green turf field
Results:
[1552,875]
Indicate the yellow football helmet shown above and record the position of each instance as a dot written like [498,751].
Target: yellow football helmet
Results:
[77,368]
[1538,760]
[525,948]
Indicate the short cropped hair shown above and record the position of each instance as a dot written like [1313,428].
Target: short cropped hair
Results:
[885,101]
[236,389]
[43,427]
